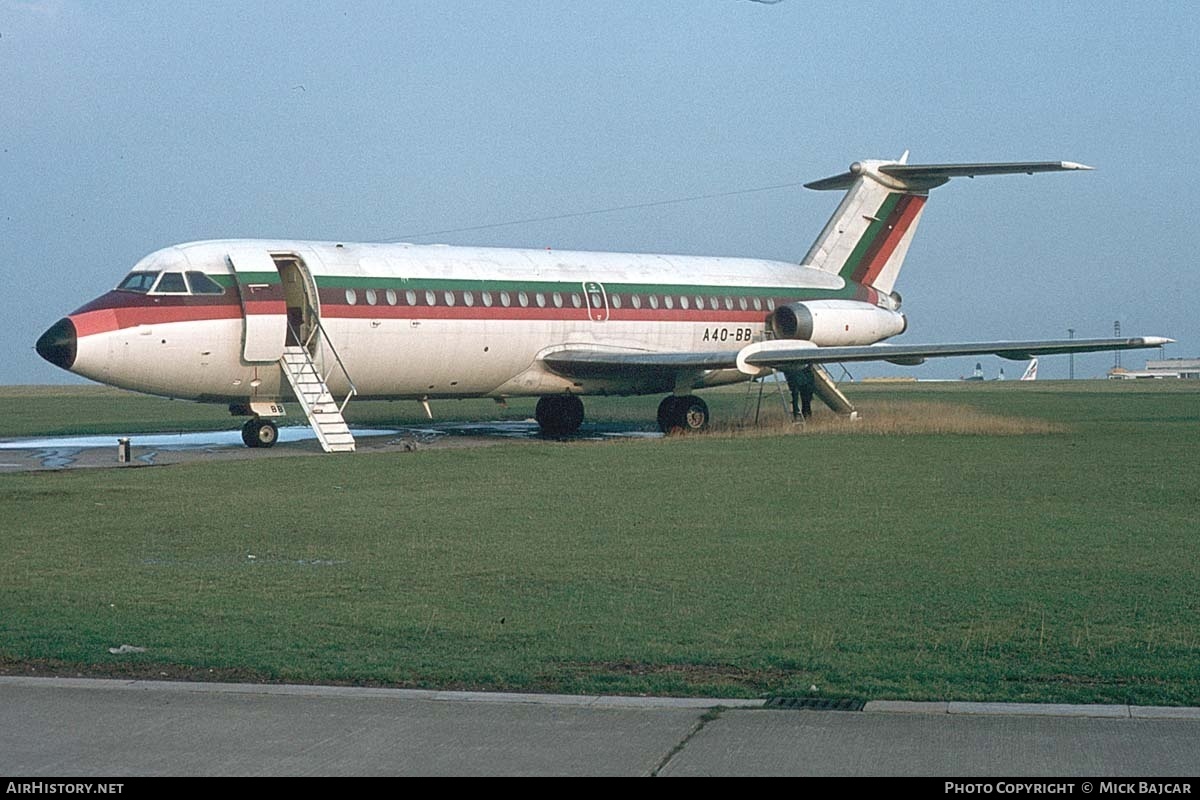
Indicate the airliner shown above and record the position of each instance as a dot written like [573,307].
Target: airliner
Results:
[256,323]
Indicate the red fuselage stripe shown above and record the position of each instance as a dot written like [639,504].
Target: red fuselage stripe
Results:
[898,222]
[108,319]
[104,320]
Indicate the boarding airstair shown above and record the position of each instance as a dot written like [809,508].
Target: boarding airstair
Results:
[822,385]
[827,389]
[323,412]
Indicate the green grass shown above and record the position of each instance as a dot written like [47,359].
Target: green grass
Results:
[1040,567]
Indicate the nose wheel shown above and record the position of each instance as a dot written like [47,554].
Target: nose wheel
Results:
[688,414]
[259,432]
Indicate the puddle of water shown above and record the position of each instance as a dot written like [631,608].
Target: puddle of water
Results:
[57,458]
[169,441]
[527,429]
[62,451]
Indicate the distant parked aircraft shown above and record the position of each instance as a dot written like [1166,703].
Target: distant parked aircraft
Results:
[252,323]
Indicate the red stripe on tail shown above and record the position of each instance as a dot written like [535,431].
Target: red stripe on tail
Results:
[898,222]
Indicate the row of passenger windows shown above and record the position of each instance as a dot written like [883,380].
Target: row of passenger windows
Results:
[194,282]
[559,300]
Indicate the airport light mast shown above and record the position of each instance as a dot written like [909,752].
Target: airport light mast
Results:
[1071,373]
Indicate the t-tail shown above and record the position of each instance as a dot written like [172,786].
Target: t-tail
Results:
[866,239]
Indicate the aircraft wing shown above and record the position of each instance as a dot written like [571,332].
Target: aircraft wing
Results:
[785,354]
[780,354]
[583,363]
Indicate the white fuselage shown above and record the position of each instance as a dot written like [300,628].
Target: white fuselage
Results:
[415,321]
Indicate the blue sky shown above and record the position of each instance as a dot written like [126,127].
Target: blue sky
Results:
[125,127]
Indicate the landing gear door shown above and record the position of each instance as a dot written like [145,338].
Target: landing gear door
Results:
[597,301]
[263,306]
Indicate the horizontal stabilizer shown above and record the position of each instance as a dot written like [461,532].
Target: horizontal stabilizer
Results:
[927,171]
[868,236]
[927,176]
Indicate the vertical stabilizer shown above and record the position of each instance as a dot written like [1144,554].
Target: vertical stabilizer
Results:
[867,238]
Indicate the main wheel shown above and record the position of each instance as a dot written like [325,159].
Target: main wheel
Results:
[259,432]
[695,414]
[559,415]
[682,414]
[667,414]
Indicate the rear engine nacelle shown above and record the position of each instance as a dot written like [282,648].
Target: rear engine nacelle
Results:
[831,323]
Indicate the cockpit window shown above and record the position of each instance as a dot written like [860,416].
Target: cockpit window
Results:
[171,283]
[138,282]
[202,284]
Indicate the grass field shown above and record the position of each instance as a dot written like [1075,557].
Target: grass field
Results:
[998,541]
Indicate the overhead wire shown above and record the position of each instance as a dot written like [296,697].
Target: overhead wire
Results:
[609,210]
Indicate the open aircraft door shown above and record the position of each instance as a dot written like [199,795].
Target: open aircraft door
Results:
[264,307]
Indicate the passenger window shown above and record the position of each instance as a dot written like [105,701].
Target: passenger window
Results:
[171,283]
[202,284]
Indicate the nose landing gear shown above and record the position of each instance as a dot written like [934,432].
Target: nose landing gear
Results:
[259,432]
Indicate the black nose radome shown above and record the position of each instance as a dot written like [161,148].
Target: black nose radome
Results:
[57,345]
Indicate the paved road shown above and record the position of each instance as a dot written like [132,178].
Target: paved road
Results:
[82,727]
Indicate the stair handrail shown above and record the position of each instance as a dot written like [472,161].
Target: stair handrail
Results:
[336,357]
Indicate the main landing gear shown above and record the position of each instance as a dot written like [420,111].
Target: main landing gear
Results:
[562,414]
[682,414]
[259,432]
[559,414]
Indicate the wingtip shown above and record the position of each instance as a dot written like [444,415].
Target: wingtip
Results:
[1074,165]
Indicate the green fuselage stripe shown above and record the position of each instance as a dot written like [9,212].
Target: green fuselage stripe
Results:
[850,290]
[878,227]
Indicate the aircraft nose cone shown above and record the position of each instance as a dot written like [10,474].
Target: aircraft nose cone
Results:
[57,344]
